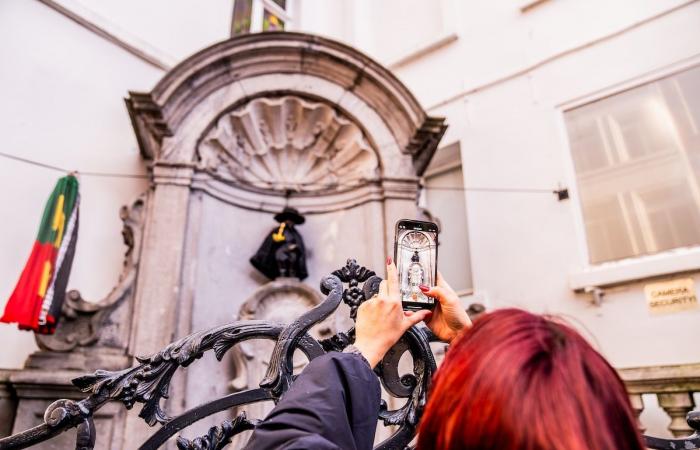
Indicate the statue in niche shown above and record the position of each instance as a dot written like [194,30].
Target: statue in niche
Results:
[416,277]
[282,253]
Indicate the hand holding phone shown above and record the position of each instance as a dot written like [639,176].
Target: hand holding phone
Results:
[380,320]
[415,253]
[449,317]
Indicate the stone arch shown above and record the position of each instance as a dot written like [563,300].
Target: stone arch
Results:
[167,119]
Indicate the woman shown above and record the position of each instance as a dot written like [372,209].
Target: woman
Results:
[513,380]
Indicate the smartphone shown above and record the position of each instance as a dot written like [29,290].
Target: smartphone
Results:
[415,254]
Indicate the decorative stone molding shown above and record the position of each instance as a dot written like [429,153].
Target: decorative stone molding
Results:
[264,303]
[147,120]
[87,324]
[288,143]
[307,202]
[296,63]
[277,301]
[8,403]
[175,174]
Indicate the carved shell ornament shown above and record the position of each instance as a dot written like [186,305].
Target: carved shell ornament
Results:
[288,143]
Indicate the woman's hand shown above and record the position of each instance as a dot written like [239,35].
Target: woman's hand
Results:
[381,321]
[448,317]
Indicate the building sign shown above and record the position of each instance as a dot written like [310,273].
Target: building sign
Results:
[671,296]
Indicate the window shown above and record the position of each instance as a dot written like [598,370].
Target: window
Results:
[251,16]
[637,160]
[445,200]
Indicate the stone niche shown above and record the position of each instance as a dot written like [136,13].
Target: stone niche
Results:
[232,135]
[288,143]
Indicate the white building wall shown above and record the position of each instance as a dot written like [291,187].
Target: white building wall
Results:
[502,86]
[62,90]
[174,29]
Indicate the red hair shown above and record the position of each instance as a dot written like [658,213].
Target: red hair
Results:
[517,380]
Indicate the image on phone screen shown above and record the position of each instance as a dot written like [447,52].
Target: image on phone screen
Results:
[416,259]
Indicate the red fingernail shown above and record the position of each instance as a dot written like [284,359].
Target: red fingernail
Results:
[423,288]
[388,260]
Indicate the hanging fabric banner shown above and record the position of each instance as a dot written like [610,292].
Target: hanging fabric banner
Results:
[38,297]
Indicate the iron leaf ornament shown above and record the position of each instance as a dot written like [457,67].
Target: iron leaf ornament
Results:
[217,437]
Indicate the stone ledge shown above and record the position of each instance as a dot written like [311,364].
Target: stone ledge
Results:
[636,269]
[44,384]
[8,402]
[662,379]
[82,359]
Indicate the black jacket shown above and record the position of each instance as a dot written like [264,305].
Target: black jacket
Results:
[332,405]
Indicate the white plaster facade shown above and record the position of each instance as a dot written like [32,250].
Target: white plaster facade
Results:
[502,73]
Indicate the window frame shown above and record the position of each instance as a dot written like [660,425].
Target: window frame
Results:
[423,203]
[633,268]
[257,13]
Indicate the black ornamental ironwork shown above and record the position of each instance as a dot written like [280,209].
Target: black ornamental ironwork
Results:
[148,382]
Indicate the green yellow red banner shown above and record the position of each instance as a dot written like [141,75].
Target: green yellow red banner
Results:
[36,302]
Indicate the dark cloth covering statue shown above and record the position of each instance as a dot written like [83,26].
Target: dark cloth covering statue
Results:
[282,253]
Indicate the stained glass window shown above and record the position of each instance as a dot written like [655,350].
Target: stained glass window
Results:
[271,22]
[253,16]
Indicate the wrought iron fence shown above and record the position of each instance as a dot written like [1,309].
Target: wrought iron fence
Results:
[148,382]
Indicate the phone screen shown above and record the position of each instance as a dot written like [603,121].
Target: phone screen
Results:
[415,252]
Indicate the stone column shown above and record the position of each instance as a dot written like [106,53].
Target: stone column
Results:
[8,403]
[677,405]
[637,403]
[158,283]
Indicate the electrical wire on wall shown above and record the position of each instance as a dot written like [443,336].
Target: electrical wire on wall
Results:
[62,170]
[560,193]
